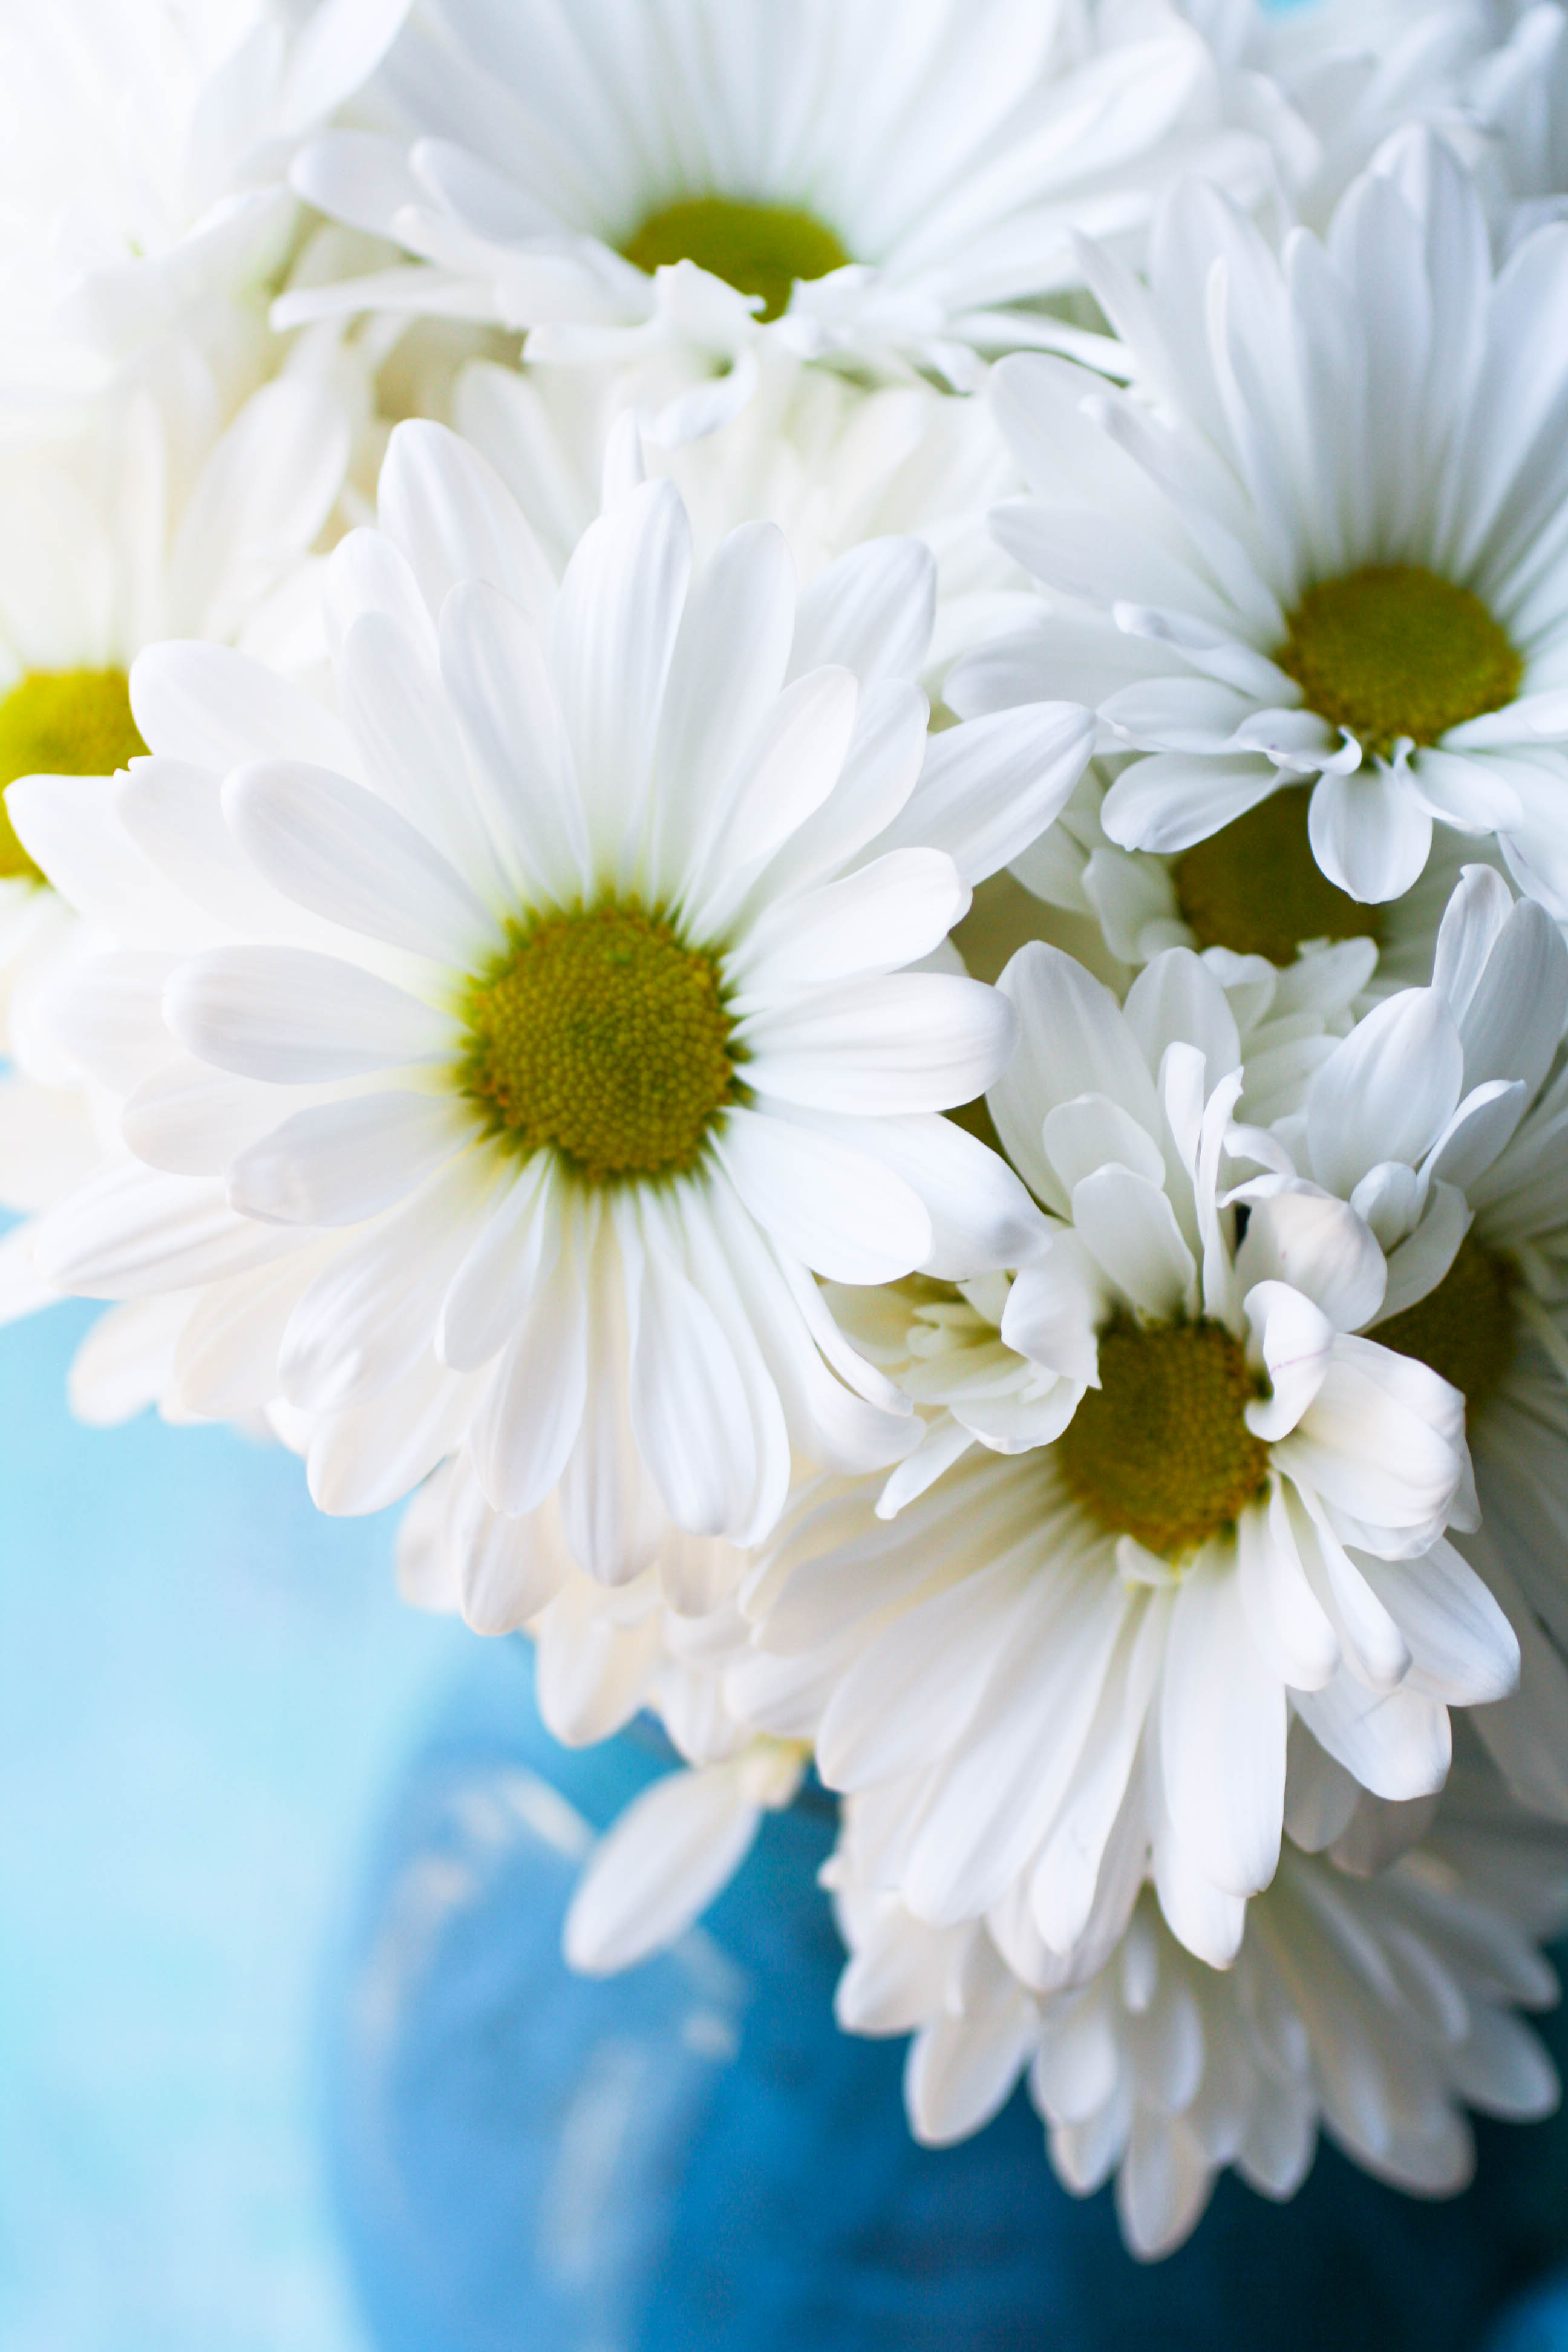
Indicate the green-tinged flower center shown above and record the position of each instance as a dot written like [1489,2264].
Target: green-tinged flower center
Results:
[1161,1451]
[1257,888]
[1394,650]
[600,1033]
[61,722]
[757,248]
[1467,1328]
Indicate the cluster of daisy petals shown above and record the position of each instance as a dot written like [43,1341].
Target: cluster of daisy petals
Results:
[788,819]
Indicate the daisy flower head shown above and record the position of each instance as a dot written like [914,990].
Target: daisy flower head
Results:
[155,513]
[1168,1498]
[1319,553]
[146,146]
[1375,1997]
[547,1022]
[885,194]
[1442,1117]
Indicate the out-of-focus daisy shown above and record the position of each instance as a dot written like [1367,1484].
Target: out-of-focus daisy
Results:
[1329,542]
[1167,1499]
[145,147]
[153,517]
[883,192]
[550,1018]
[1373,2005]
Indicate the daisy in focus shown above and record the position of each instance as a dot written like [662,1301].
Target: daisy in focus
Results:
[549,1023]
[886,195]
[1472,1213]
[1325,541]
[1168,1498]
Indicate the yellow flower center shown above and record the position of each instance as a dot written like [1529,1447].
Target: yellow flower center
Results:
[1160,1450]
[1257,888]
[757,248]
[61,722]
[601,1034]
[1394,650]
[1466,1330]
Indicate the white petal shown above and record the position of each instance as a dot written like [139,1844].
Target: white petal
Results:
[1295,1340]
[1222,1734]
[345,1161]
[688,1404]
[1395,1743]
[1319,1247]
[831,1206]
[1130,1228]
[533,1410]
[671,1852]
[215,709]
[990,787]
[888,914]
[336,849]
[453,517]
[914,1042]
[872,610]
[1370,834]
[294,1018]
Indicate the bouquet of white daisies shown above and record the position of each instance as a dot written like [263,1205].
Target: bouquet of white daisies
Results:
[788,819]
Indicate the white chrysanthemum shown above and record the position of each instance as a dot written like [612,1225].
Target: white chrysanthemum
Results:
[153,517]
[1211,1504]
[146,146]
[1375,2008]
[1253,889]
[1328,81]
[549,1017]
[831,463]
[602,1654]
[1335,546]
[883,190]
[1476,1232]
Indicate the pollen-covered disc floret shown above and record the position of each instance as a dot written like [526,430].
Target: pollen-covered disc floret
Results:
[1395,653]
[1168,1498]
[1307,546]
[1467,1328]
[1256,888]
[762,249]
[538,1177]
[1161,1450]
[601,1034]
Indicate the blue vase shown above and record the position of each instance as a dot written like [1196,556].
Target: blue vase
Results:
[692,2156]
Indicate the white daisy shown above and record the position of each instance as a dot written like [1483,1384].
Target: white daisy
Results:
[1473,1217]
[153,516]
[1210,1505]
[145,145]
[603,1653]
[1252,889]
[829,462]
[1373,2008]
[549,1016]
[883,193]
[1334,546]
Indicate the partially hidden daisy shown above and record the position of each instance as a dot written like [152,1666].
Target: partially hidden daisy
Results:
[1443,1117]
[542,1023]
[1372,1999]
[881,195]
[144,149]
[149,513]
[1168,1499]
[1321,550]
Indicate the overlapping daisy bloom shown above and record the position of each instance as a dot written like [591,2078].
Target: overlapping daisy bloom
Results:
[1373,1999]
[149,514]
[882,193]
[1324,539]
[144,169]
[531,1033]
[1442,1117]
[1171,1501]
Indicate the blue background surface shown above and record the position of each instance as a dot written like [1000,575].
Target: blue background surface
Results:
[291,2064]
